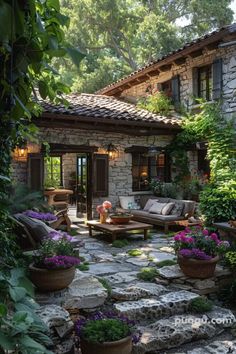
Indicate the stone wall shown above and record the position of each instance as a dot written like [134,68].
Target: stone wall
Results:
[120,169]
[185,72]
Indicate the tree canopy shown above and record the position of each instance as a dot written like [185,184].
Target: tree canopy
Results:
[119,36]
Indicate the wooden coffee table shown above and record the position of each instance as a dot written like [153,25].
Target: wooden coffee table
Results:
[114,230]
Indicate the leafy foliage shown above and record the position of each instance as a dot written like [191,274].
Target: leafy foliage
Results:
[120,243]
[132,33]
[106,285]
[148,274]
[158,103]
[21,330]
[200,305]
[166,262]
[135,253]
[230,259]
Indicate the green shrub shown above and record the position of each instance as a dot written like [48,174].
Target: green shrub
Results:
[134,253]
[157,103]
[230,259]
[218,202]
[166,262]
[83,266]
[120,243]
[200,305]
[148,274]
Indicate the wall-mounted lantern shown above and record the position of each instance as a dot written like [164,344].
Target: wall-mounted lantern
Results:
[20,153]
[112,151]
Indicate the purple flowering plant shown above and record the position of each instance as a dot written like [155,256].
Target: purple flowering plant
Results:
[57,251]
[40,215]
[199,243]
[106,327]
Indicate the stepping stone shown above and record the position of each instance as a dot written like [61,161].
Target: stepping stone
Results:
[101,256]
[106,268]
[85,292]
[53,315]
[216,347]
[140,261]
[124,277]
[170,304]
[137,291]
[221,317]
[161,256]
[173,332]
[171,272]
[93,246]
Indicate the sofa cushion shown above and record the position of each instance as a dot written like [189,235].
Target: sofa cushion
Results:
[149,203]
[157,207]
[144,198]
[166,217]
[140,213]
[189,207]
[167,208]
[37,228]
[178,208]
[126,201]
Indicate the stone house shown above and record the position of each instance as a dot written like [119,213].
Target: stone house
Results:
[107,147]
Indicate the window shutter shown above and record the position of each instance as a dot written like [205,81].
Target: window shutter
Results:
[35,171]
[175,86]
[100,176]
[167,168]
[217,79]
[195,82]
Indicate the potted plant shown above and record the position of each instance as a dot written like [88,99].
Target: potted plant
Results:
[54,263]
[198,251]
[120,218]
[103,211]
[106,333]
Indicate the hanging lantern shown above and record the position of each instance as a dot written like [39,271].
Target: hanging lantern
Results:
[20,153]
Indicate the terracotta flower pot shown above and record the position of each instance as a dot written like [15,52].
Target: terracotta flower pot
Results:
[120,219]
[51,279]
[123,346]
[196,268]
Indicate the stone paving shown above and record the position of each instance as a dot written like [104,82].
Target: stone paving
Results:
[161,308]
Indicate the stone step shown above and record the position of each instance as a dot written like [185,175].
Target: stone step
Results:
[216,347]
[173,332]
[170,304]
[137,291]
[180,329]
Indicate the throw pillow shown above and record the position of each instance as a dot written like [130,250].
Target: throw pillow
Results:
[149,203]
[167,208]
[156,208]
[177,209]
[37,228]
[126,201]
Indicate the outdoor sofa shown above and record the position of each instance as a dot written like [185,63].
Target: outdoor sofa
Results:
[158,210]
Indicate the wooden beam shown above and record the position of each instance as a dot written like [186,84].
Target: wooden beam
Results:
[165,68]
[180,61]
[64,148]
[196,53]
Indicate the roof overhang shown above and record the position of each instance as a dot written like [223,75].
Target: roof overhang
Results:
[137,128]
[193,49]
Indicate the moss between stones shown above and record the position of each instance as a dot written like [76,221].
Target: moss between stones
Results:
[200,305]
[148,274]
[134,253]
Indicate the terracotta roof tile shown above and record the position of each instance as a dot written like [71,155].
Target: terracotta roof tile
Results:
[108,108]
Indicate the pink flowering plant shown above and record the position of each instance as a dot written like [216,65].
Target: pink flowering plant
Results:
[56,252]
[104,207]
[199,243]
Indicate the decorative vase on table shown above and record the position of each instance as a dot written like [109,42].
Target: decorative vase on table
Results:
[198,251]
[106,333]
[54,262]
[103,211]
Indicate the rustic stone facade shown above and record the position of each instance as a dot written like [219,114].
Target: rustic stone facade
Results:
[120,169]
[228,54]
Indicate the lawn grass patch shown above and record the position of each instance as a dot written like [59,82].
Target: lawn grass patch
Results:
[135,253]
[120,243]
[148,274]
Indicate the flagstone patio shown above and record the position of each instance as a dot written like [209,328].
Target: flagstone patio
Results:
[160,307]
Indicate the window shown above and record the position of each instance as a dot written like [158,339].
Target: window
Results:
[205,82]
[52,171]
[203,163]
[144,168]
